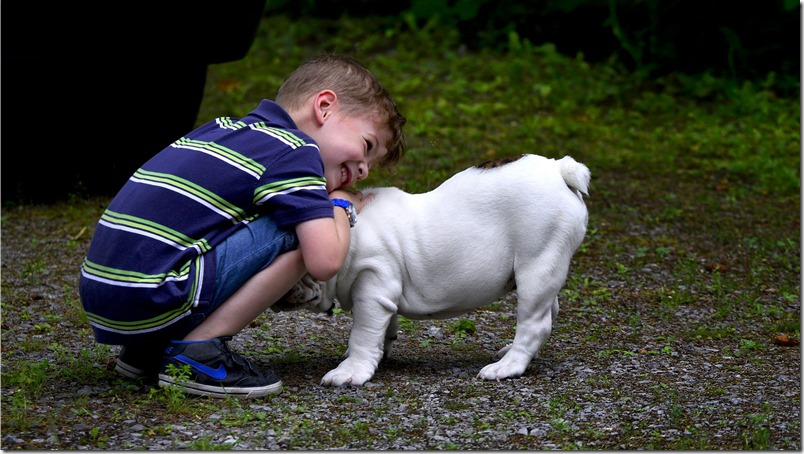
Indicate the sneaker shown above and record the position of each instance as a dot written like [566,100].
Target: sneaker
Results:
[140,362]
[216,371]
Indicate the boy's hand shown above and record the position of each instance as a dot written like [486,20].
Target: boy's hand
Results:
[356,197]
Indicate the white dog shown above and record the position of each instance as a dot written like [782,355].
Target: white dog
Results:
[508,224]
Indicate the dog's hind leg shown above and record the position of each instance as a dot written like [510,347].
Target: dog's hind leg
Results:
[504,350]
[537,308]
[391,334]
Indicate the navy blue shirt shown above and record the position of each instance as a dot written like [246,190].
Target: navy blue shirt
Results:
[152,256]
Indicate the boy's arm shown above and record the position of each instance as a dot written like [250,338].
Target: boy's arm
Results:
[324,242]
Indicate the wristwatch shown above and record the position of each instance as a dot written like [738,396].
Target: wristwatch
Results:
[350,210]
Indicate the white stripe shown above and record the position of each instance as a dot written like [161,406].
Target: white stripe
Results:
[144,233]
[115,283]
[215,155]
[275,136]
[201,268]
[188,195]
[231,125]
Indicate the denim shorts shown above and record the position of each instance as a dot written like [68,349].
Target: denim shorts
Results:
[238,258]
[246,253]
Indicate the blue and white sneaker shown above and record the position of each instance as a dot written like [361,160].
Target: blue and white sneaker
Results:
[216,371]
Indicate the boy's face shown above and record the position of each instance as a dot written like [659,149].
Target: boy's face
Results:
[350,146]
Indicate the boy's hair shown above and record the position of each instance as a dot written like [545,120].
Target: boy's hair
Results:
[357,90]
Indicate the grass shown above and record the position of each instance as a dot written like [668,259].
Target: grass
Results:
[693,242]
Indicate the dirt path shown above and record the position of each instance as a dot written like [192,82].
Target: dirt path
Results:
[640,358]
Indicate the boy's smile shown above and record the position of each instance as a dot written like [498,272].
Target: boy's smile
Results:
[350,146]
[351,142]
[345,175]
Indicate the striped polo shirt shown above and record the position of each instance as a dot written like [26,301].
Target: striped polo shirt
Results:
[152,256]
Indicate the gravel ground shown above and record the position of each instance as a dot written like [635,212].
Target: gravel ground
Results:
[626,374]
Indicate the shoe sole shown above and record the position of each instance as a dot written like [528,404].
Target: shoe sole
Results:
[129,371]
[220,392]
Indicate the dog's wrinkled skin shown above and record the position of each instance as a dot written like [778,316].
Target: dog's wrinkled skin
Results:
[306,294]
[506,224]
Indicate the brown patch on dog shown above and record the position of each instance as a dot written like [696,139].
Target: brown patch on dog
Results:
[494,163]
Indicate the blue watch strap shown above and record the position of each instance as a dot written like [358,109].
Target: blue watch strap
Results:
[351,213]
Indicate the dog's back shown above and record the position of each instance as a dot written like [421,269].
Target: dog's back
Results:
[575,174]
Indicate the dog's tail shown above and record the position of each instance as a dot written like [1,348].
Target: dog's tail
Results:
[575,174]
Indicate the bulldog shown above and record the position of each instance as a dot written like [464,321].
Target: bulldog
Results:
[506,224]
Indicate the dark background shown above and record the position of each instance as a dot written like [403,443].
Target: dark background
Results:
[744,40]
[91,90]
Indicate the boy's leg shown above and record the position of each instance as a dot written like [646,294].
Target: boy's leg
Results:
[255,267]
[252,299]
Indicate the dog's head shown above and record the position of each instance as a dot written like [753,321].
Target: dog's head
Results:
[308,294]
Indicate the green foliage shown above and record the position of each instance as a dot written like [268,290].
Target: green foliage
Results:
[749,345]
[741,42]
[462,327]
[755,431]
[28,378]
[464,107]
[447,12]
[406,323]
[172,395]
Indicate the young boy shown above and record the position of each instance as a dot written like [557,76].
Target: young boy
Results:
[215,228]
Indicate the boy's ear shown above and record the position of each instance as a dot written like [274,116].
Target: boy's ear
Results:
[324,105]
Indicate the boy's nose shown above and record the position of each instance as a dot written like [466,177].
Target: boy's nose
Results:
[362,171]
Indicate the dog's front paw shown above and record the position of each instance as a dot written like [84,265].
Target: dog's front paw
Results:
[348,373]
[502,369]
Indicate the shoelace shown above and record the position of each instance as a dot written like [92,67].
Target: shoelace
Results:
[237,359]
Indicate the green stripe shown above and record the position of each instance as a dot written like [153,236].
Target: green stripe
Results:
[159,230]
[187,186]
[128,276]
[224,153]
[155,321]
[292,138]
[280,186]
[226,122]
